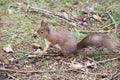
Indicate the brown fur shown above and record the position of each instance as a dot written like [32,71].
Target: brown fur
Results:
[99,40]
[64,39]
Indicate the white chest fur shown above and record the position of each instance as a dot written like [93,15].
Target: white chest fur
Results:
[47,43]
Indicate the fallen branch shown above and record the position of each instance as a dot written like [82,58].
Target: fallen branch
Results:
[115,24]
[107,60]
[47,12]
[12,76]
[95,63]
[34,71]
[50,13]
[48,71]
[114,75]
[23,71]
[92,31]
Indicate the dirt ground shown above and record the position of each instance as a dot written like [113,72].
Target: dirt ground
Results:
[19,20]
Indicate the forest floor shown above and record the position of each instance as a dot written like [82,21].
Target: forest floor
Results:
[19,20]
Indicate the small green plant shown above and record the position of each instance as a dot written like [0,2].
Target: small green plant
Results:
[111,64]
[15,16]
[45,62]
[18,54]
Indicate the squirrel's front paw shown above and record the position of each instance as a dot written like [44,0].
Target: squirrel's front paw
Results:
[37,53]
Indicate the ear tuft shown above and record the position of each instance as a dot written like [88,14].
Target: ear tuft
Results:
[46,27]
[42,23]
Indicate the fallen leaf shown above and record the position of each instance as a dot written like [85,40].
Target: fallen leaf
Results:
[13,61]
[66,15]
[28,66]
[8,48]
[77,65]
[10,11]
[6,61]
[88,9]
[2,24]
[97,17]
[30,56]
[91,65]
[74,24]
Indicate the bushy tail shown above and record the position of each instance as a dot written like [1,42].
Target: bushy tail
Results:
[99,40]
[115,45]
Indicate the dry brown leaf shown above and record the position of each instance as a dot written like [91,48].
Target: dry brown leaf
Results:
[8,48]
[88,9]
[91,64]
[32,56]
[10,11]
[97,17]
[74,24]
[13,61]
[2,24]
[66,15]
[77,65]
[6,61]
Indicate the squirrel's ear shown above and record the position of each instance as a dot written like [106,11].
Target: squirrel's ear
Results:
[42,23]
[46,27]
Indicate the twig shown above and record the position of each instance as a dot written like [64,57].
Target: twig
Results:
[37,55]
[47,12]
[48,71]
[91,31]
[23,71]
[117,75]
[35,71]
[114,75]
[12,77]
[29,18]
[107,60]
[97,62]
[115,24]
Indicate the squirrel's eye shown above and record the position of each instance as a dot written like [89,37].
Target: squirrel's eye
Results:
[41,32]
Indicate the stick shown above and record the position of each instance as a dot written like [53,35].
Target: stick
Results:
[12,77]
[47,12]
[107,60]
[34,71]
[91,31]
[45,71]
[97,62]
[23,71]
[114,75]
[115,24]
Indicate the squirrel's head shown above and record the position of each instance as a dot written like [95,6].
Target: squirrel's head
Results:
[43,31]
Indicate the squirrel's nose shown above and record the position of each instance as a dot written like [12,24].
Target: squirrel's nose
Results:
[34,35]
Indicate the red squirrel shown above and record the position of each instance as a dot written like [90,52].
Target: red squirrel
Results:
[68,45]
[62,40]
